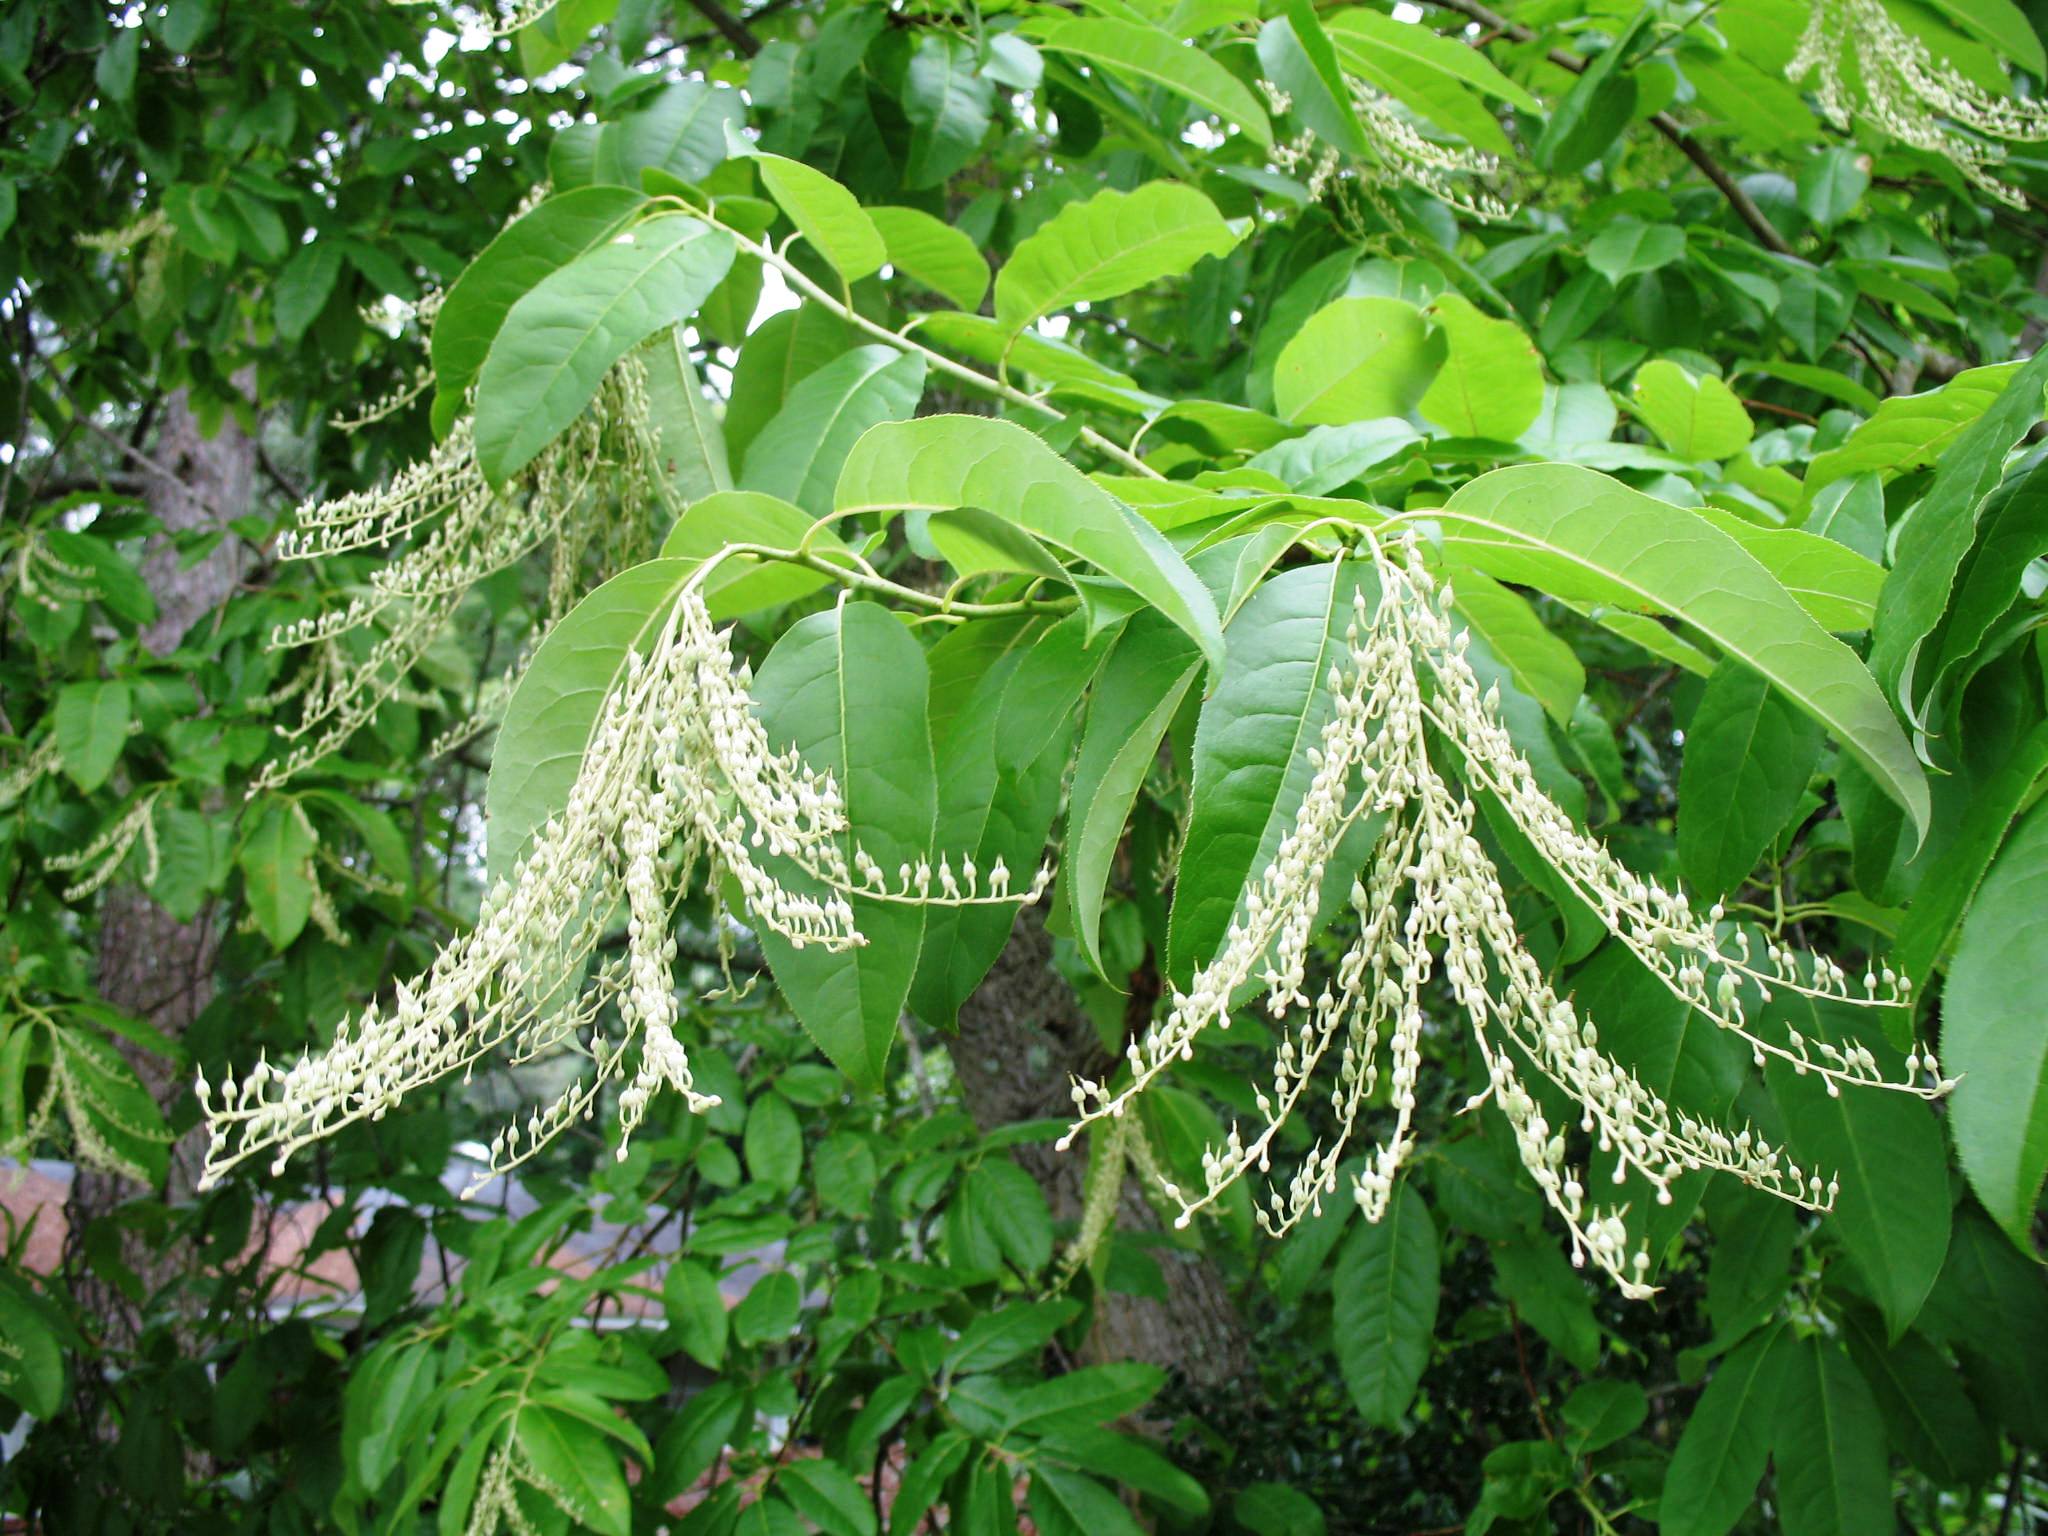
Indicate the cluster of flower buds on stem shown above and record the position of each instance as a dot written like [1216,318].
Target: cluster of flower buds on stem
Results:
[1431,897]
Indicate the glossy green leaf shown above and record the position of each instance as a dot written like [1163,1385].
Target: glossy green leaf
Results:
[1696,418]
[1589,538]
[1384,1302]
[1355,359]
[933,253]
[799,454]
[1109,245]
[938,463]
[1829,1447]
[1992,1041]
[1721,1453]
[1748,756]
[1325,459]
[848,690]
[823,211]
[530,249]
[680,129]
[1491,382]
[558,342]
[1152,54]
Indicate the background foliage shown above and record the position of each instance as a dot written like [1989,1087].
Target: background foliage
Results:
[1189,248]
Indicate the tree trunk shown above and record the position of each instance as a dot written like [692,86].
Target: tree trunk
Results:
[1023,1038]
[151,965]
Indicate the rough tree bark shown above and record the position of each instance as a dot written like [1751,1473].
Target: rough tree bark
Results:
[151,965]
[1023,1037]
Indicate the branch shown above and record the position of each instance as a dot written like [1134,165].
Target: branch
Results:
[729,26]
[1744,205]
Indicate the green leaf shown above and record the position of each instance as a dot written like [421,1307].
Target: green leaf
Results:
[770,1310]
[1252,742]
[1829,1447]
[823,211]
[1274,1509]
[1748,756]
[827,1496]
[999,1216]
[799,454]
[1721,1453]
[1125,47]
[938,463]
[1108,245]
[1628,248]
[1831,581]
[1064,1503]
[1907,432]
[1602,1412]
[276,879]
[580,1471]
[1749,1268]
[89,724]
[558,342]
[1083,1399]
[1325,459]
[1355,359]
[694,1437]
[691,445]
[1384,1301]
[1949,887]
[681,129]
[947,102]
[2012,533]
[303,288]
[1588,538]
[2001,24]
[553,710]
[1927,1414]
[528,250]
[1296,55]
[1491,382]
[934,253]
[1991,1303]
[1935,539]
[1542,666]
[742,583]
[1892,1212]
[1131,1462]
[848,690]
[774,1142]
[1699,419]
[1832,183]
[31,1356]
[695,1307]
[1999,1112]
[1552,1298]
[925,1478]
[1135,699]
[784,349]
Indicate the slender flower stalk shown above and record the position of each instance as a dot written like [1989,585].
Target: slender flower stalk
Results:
[1431,898]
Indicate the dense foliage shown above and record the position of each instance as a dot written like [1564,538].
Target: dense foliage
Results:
[1199,766]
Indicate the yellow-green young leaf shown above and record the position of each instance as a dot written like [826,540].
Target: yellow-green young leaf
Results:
[1440,82]
[824,212]
[1991,1037]
[692,462]
[1129,48]
[1296,55]
[553,710]
[1383,1307]
[1109,245]
[528,250]
[1907,432]
[1829,1449]
[1748,756]
[847,689]
[1589,538]
[558,342]
[1721,1453]
[1831,581]
[1696,418]
[2001,24]
[933,253]
[743,584]
[90,726]
[1491,382]
[937,463]
[276,880]
[1628,247]
[1355,359]
[799,454]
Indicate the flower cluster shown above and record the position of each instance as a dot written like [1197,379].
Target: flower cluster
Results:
[1454,174]
[1406,687]
[1866,66]
[679,780]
